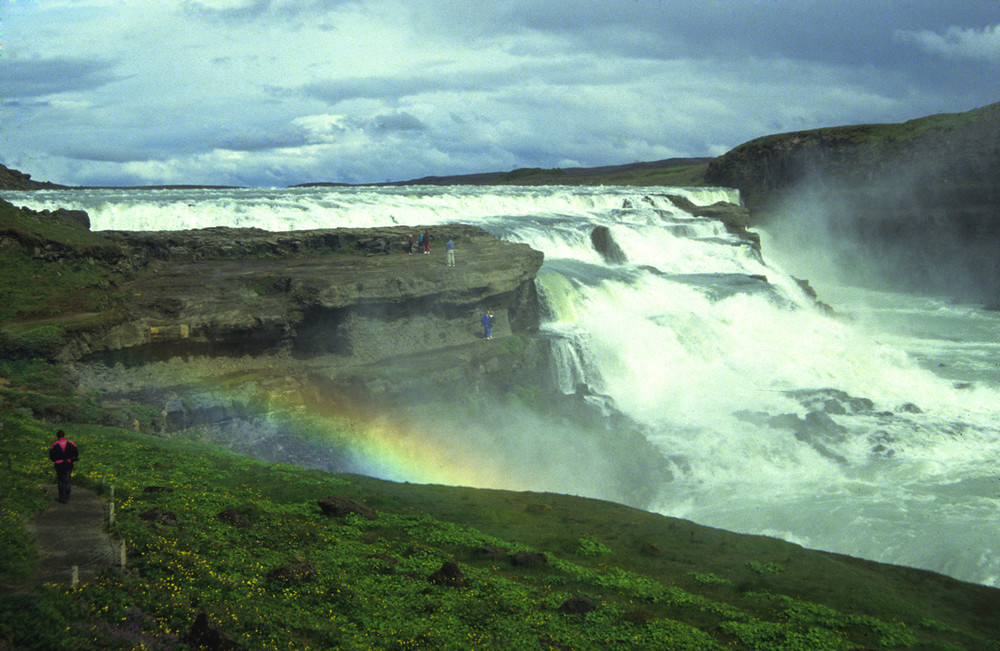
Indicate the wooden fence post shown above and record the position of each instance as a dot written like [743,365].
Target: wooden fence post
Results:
[122,555]
[74,576]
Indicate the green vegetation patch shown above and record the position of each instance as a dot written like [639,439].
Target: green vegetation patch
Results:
[52,267]
[246,542]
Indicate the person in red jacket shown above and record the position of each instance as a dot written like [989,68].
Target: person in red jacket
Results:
[63,453]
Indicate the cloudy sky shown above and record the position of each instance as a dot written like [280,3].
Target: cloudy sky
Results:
[278,92]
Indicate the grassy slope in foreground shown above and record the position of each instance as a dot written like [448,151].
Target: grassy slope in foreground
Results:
[657,582]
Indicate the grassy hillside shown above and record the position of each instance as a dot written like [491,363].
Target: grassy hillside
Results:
[246,543]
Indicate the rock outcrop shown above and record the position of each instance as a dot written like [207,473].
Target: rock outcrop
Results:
[352,293]
[915,206]
[15,180]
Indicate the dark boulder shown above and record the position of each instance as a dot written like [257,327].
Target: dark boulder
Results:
[159,516]
[577,606]
[605,244]
[338,507]
[529,559]
[490,552]
[79,217]
[233,517]
[293,573]
[206,634]
[449,575]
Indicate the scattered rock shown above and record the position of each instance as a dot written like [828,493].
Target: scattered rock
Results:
[449,575]
[159,516]
[577,606]
[529,559]
[605,244]
[235,518]
[491,553]
[206,634]
[293,573]
[338,507]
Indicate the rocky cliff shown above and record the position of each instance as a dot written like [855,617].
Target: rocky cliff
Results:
[15,180]
[269,343]
[915,205]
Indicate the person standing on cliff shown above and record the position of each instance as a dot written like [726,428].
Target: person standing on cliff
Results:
[488,324]
[63,453]
[450,246]
[409,245]
[427,241]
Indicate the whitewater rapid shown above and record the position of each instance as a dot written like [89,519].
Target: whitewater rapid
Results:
[871,431]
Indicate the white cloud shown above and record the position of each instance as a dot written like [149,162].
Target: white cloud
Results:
[287,91]
[958,42]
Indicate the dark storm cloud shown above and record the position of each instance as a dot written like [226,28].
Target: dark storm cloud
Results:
[398,121]
[43,77]
[845,31]
[251,10]
[262,140]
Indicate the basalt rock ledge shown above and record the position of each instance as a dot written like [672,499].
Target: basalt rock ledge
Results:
[345,311]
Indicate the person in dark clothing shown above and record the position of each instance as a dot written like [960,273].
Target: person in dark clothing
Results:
[488,324]
[409,245]
[63,453]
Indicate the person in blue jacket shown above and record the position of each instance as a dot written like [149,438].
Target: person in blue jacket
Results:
[488,324]
[63,453]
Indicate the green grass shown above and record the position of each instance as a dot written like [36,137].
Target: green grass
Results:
[657,583]
[79,284]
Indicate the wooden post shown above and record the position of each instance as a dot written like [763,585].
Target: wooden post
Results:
[121,552]
[111,505]
[74,576]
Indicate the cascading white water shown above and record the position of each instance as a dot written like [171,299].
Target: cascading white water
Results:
[780,419]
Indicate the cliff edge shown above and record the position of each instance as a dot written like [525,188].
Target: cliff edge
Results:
[915,205]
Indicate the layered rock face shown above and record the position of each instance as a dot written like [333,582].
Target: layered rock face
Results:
[310,312]
[343,292]
[913,205]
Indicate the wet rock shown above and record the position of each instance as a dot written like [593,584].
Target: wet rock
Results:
[831,401]
[881,443]
[605,244]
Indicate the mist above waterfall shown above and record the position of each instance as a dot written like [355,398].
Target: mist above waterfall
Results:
[913,224]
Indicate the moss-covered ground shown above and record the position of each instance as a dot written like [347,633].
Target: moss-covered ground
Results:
[657,583]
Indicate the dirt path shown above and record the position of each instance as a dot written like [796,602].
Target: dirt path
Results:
[72,534]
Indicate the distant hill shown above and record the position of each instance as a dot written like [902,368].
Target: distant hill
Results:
[671,171]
